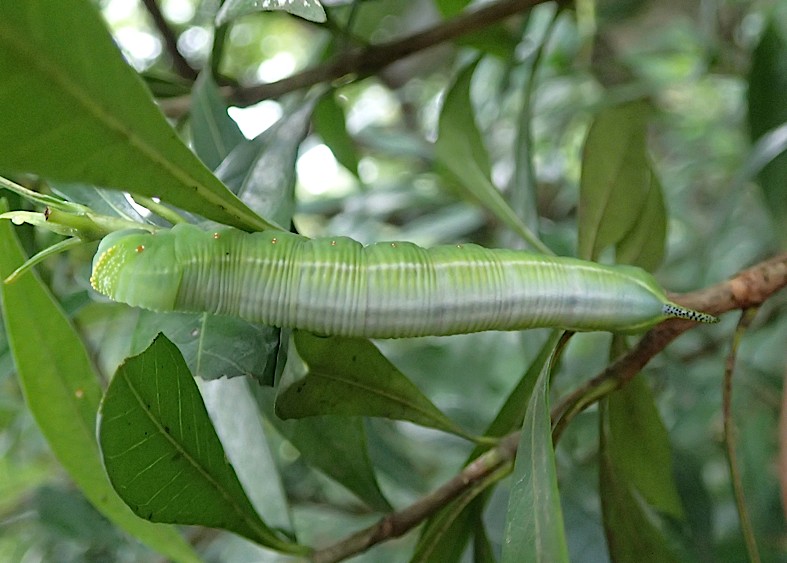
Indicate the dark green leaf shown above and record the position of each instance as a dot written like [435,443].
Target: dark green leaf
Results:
[162,454]
[310,10]
[768,110]
[335,445]
[644,244]
[638,445]
[62,392]
[628,522]
[213,132]
[534,523]
[81,114]
[350,377]
[330,123]
[616,177]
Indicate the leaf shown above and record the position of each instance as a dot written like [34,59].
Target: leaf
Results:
[105,202]
[213,346]
[62,392]
[350,377]
[767,109]
[616,177]
[330,123]
[451,524]
[630,530]
[262,171]
[534,522]
[462,158]
[213,132]
[162,454]
[240,428]
[638,444]
[310,10]
[335,445]
[644,245]
[81,114]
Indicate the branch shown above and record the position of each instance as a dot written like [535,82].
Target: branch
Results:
[182,66]
[364,61]
[748,289]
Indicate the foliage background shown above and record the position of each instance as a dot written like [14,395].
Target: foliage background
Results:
[696,62]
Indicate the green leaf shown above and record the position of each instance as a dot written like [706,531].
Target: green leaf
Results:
[638,445]
[768,110]
[335,445]
[310,10]
[262,171]
[616,177]
[213,346]
[452,524]
[629,524]
[62,392]
[462,158]
[644,245]
[213,132]
[330,123]
[81,114]
[162,454]
[350,377]
[534,522]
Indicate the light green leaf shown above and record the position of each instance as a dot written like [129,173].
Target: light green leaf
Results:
[534,523]
[616,177]
[638,445]
[162,454]
[81,114]
[644,245]
[62,392]
[330,123]
[462,158]
[213,132]
[310,10]
[350,377]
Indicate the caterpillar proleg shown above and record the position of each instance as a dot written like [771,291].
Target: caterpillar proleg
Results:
[336,286]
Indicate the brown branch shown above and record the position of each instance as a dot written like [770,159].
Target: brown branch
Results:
[182,66]
[748,289]
[365,61]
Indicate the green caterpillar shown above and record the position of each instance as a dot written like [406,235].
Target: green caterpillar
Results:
[386,290]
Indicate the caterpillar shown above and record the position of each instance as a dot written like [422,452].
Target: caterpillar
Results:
[337,286]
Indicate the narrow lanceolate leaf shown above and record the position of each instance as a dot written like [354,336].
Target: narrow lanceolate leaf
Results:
[645,243]
[81,114]
[62,392]
[629,523]
[330,123]
[767,110]
[615,177]
[463,159]
[163,455]
[350,377]
[213,132]
[310,10]
[534,522]
[445,534]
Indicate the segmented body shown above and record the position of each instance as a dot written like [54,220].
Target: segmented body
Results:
[384,290]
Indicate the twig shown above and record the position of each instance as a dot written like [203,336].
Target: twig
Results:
[729,439]
[364,61]
[182,66]
[748,289]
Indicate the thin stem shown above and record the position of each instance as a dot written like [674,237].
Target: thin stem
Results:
[365,61]
[182,66]
[729,438]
